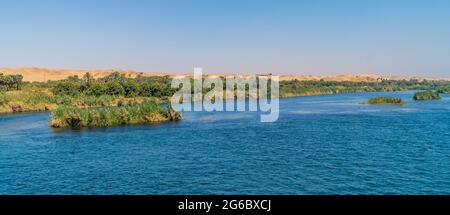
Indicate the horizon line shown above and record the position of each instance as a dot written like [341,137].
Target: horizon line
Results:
[56,69]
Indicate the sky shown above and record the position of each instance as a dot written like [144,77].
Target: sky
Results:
[388,37]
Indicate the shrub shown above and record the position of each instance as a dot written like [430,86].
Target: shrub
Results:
[151,89]
[386,100]
[131,88]
[114,88]
[96,89]
[427,95]
[70,88]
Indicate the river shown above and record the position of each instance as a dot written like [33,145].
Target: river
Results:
[329,144]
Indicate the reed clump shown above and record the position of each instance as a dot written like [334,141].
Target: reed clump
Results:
[147,112]
[386,101]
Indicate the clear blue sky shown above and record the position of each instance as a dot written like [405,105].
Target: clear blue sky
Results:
[392,37]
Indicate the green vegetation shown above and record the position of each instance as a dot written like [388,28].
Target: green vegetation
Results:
[309,88]
[149,111]
[88,102]
[444,90]
[8,82]
[25,101]
[117,99]
[386,101]
[115,84]
[36,99]
[112,90]
[427,95]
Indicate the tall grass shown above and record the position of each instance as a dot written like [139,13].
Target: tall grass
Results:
[386,101]
[4,99]
[25,101]
[149,111]
[427,95]
[38,99]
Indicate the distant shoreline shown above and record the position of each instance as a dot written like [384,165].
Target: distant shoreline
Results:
[35,74]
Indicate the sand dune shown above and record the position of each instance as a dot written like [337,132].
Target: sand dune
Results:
[34,74]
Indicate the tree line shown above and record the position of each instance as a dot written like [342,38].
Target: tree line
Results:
[10,82]
[115,84]
[295,87]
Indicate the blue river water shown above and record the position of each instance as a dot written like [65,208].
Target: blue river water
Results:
[330,144]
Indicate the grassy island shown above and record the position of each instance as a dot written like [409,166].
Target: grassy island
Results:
[427,95]
[147,112]
[386,101]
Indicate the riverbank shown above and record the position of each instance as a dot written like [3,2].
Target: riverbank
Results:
[41,99]
[104,102]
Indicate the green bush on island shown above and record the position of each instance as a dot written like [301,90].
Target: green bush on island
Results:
[427,95]
[386,101]
[66,87]
[149,111]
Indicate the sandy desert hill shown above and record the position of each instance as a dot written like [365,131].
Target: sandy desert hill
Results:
[34,74]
